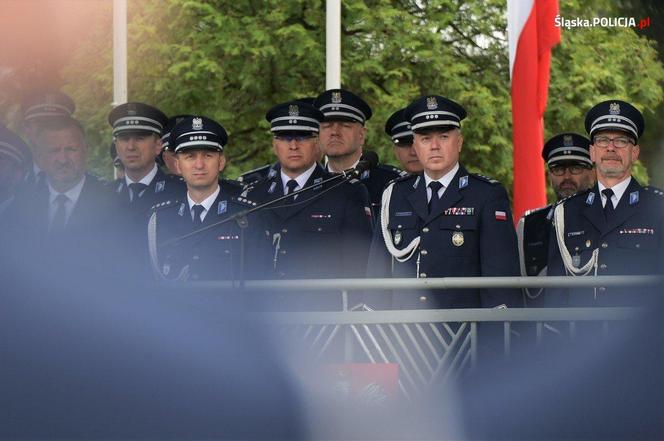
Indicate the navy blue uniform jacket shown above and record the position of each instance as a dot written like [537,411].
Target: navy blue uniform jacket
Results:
[324,233]
[629,243]
[214,254]
[472,236]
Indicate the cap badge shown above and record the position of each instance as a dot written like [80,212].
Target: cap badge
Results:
[197,124]
[568,141]
[614,109]
[131,110]
[293,110]
[336,97]
[432,103]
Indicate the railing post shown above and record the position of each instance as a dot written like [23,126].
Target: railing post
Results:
[348,336]
[507,335]
[473,345]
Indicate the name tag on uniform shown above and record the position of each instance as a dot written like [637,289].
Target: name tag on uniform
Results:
[321,216]
[403,213]
[575,233]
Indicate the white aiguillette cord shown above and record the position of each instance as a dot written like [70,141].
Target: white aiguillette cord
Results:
[402,255]
[559,225]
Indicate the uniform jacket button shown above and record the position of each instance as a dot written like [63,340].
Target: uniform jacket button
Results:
[605,245]
[424,252]
[425,229]
[423,299]
[602,266]
[196,257]
[602,288]
[284,231]
[423,275]
[283,251]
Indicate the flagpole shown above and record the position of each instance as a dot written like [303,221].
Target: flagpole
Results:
[333,44]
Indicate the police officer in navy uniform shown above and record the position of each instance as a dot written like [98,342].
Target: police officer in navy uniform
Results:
[325,231]
[614,228]
[137,130]
[263,171]
[219,252]
[398,129]
[570,170]
[444,222]
[342,137]
[40,108]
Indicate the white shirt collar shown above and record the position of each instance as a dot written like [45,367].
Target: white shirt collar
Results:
[72,194]
[446,179]
[207,203]
[618,191]
[146,179]
[329,168]
[301,180]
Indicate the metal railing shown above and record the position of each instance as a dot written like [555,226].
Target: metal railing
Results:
[429,345]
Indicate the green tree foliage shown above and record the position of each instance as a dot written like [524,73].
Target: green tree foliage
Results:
[233,60]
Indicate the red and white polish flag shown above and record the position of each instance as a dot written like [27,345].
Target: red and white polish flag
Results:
[532,34]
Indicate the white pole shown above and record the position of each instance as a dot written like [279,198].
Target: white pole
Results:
[333,44]
[119,52]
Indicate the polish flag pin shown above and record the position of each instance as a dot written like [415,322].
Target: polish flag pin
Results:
[501,215]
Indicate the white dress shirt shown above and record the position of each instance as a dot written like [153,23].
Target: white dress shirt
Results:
[446,179]
[72,197]
[207,203]
[146,180]
[301,180]
[618,191]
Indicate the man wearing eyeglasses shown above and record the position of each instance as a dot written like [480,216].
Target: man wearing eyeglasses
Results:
[614,228]
[324,231]
[570,171]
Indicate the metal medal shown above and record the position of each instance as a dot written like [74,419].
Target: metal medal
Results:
[397,237]
[457,239]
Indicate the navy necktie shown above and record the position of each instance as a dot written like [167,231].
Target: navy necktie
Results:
[291,186]
[137,190]
[59,218]
[608,207]
[198,210]
[434,202]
